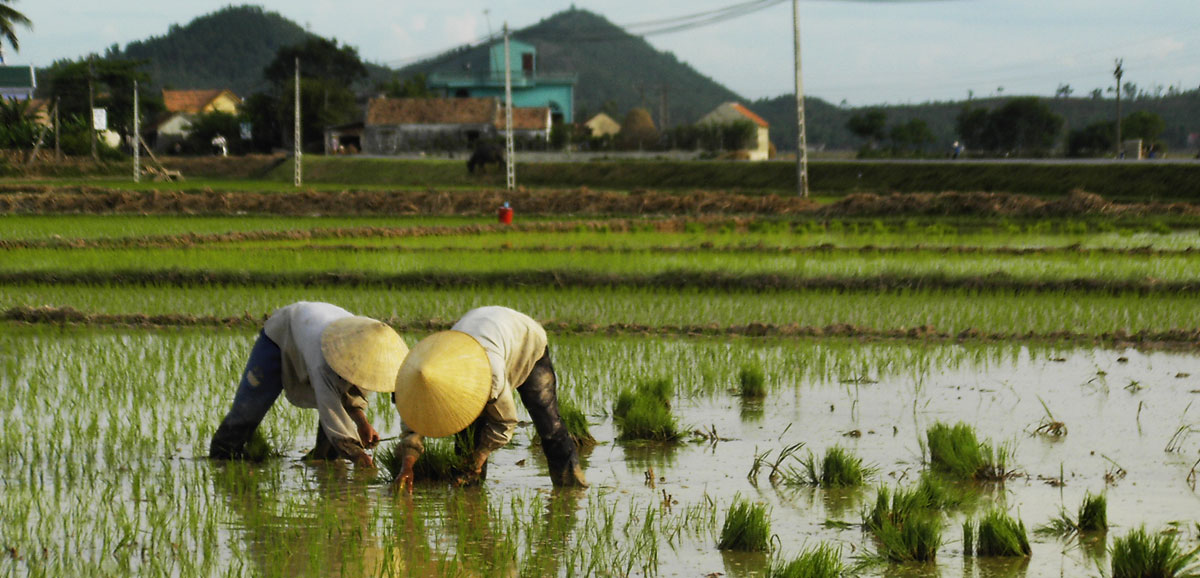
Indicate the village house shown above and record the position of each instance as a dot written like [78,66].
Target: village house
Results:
[483,77]
[17,82]
[182,108]
[603,125]
[399,125]
[730,112]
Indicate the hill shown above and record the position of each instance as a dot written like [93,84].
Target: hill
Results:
[227,48]
[827,123]
[617,71]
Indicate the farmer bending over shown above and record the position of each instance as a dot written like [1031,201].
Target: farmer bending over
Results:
[322,357]
[467,375]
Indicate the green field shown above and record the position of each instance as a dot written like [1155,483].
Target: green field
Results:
[122,338]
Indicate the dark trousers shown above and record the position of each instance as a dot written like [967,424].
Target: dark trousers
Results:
[539,394]
[260,386]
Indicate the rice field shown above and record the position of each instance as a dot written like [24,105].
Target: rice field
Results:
[1085,388]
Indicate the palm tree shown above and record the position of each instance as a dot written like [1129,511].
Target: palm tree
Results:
[9,19]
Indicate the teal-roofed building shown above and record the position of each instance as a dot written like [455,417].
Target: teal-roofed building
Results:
[483,77]
[17,82]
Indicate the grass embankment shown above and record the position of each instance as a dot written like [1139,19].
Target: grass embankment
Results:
[1143,181]
[1127,180]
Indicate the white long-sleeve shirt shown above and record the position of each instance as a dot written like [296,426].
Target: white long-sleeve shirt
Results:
[308,381]
[513,342]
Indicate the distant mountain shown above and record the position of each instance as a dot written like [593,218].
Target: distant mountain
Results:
[226,49]
[616,69]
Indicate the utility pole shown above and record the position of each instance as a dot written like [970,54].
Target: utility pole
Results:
[662,108]
[92,108]
[137,138]
[802,140]
[297,137]
[510,169]
[1118,72]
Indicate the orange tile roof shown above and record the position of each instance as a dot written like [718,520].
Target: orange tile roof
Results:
[390,111]
[750,115]
[526,118]
[190,101]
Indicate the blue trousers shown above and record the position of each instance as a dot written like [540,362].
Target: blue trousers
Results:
[260,386]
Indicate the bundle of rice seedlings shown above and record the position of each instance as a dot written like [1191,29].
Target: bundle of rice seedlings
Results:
[439,462]
[258,448]
[839,469]
[753,382]
[645,412]
[746,528]
[823,561]
[904,525]
[577,425]
[954,450]
[1093,517]
[1138,554]
[1000,535]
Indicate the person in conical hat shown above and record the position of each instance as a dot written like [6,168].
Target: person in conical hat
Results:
[321,357]
[466,376]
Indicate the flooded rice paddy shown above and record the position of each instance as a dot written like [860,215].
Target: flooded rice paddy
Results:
[103,468]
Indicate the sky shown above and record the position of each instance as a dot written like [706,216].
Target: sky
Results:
[861,52]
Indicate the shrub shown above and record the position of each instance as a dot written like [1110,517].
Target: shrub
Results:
[746,528]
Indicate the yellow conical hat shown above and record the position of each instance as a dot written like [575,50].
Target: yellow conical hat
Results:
[364,352]
[443,384]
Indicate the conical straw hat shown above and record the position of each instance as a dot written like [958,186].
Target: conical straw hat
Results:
[364,352]
[443,384]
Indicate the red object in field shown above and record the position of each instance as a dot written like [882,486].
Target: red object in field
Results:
[505,215]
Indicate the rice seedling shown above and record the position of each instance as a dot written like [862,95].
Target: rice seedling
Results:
[1092,517]
[577,424]
[956,451]
[1049,426]
[778,473]
[905,526]
[644,413]
[996,534]
[838,469]
[822,561]
[1139,554]
[747,527]
[441,461]
[752,381]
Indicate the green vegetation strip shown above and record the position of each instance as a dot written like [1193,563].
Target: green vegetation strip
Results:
[32,199]
[47,315]
[676,280]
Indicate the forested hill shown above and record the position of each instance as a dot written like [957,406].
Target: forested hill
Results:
[826,123]
[617,71]
[226,49]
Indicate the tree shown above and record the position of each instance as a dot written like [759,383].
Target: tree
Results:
[9,20]
[415,86]
[1144,125]
[112,86]
[1064,91]
[637,132]
[1020,125]
[326,74]
[869,126]
[914,135]
[1093,140]
[17,128]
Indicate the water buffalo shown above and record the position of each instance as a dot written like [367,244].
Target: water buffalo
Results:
[485,154]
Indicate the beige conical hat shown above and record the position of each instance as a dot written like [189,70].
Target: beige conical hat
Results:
[443,384]
[364,352]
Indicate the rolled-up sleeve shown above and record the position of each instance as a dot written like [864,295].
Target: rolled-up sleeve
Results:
[332,396]
[501,421]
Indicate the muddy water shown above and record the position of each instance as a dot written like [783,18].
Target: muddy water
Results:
[105,499]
